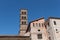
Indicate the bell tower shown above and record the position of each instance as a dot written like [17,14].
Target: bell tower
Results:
[23,21]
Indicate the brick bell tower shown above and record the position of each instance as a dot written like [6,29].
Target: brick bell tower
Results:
[23,21]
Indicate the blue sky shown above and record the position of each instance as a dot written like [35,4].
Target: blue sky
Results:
[9,12]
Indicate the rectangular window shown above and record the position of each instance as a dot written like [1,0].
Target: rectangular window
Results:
[39,36]
[54,22]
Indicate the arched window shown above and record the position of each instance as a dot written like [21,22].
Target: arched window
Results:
[24,17]
[23,13]
[24,22]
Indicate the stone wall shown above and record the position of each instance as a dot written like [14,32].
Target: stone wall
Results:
[14,38]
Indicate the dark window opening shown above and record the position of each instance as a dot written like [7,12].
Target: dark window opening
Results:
[23,22]
[48,24]
[24,13]
[33,25]
[42,24]
[23,17]
[36,24]
[39,30]
[49,38]
[56,30]
[39,24]
[39,36]
[54,22]
[45,26]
